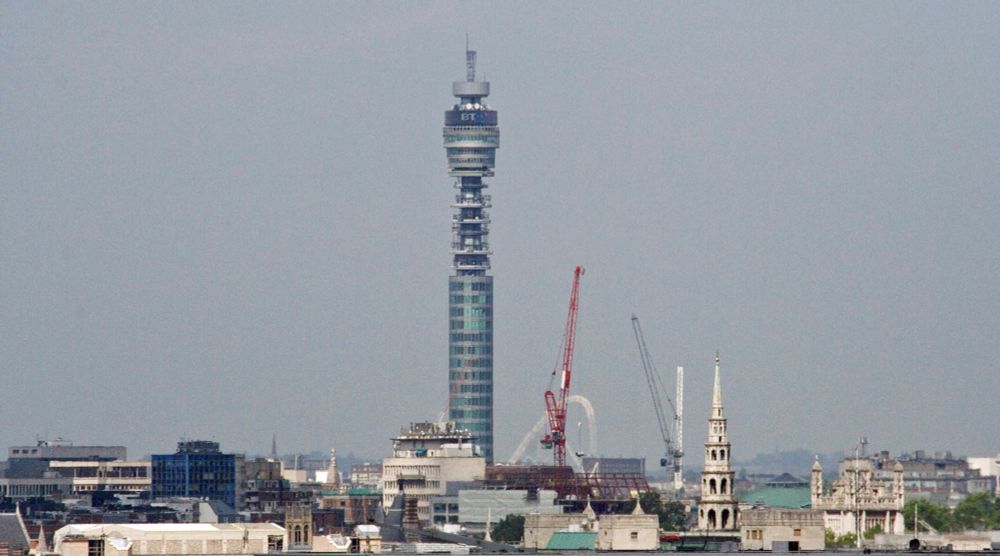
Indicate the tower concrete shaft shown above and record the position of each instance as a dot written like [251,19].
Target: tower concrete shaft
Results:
[471,137]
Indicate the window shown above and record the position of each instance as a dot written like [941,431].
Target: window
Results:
[634,535]
[95,547]
[797,533]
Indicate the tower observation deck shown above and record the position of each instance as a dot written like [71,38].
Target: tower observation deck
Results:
[471,137]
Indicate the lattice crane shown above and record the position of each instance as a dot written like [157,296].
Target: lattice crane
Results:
[556,409]
[673,453]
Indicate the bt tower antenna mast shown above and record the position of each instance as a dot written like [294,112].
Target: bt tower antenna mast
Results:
[470,63]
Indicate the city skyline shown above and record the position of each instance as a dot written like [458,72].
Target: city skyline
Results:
[225,225]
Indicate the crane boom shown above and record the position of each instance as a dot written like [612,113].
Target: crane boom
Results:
[555,409]
[665,421]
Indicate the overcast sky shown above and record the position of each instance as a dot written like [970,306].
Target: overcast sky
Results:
[227,220]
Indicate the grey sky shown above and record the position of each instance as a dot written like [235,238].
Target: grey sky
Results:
[227,220]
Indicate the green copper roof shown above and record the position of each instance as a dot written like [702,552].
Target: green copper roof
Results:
[572,540]
[778,497]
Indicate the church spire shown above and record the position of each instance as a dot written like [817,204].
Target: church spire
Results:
[717,390]
[718,507]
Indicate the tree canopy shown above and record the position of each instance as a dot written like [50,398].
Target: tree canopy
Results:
[671,513]
[979,511]
[510,529]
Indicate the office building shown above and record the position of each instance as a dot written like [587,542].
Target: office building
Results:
[425,459]
[198,470]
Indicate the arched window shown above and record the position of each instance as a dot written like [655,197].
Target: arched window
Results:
[714,455]
[725,519]
[722,455]
[722,487]
[305,534]
[711,486]
[711,519]
[297,534]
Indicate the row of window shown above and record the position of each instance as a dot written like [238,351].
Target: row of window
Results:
[482,400]
[470,286]
[758,534]
[716,456]
[470,414]
[476,388]
[712,489]
[471,312]
[471,363]
[476,427]
[472,150]
[470,375]
[394,485]
[471,325]
[442,508]
[466,161]
[480,137]
[483,299]
[471,337]
[471,350]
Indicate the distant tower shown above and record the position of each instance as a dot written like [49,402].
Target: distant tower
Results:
[471,137]
[332,473]
[717,510]
[816,483]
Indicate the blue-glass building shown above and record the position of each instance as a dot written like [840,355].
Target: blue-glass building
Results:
[471,137]
[199,470]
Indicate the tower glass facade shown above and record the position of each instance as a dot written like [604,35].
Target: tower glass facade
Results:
[471,137]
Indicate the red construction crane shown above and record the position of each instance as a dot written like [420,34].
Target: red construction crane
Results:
[556,409]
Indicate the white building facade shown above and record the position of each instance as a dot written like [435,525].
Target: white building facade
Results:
[857,502]
[425,458]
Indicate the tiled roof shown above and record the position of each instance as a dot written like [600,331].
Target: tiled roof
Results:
[572,540]
[12,532]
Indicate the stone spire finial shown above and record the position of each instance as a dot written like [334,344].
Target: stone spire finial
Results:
[638,507]
[489,519]
[41,547]
[717,388]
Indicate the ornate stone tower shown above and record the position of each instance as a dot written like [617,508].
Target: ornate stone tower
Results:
[717,510]
[816,485]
